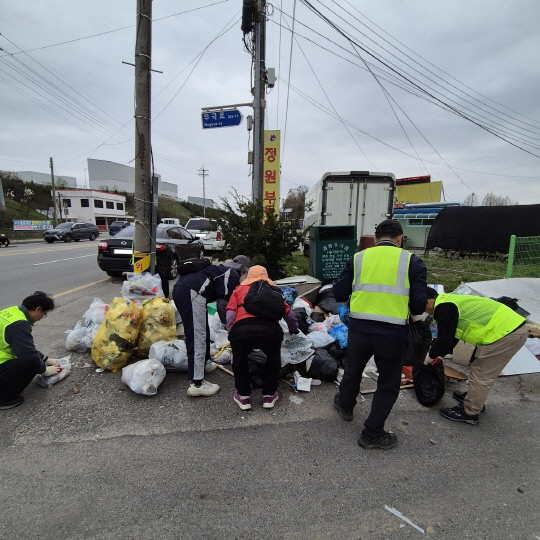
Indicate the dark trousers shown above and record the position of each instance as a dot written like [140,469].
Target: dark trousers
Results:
[15,376]
[389,356]
[271,347]
[192,309]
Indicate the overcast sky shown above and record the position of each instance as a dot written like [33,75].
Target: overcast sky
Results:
[335,117]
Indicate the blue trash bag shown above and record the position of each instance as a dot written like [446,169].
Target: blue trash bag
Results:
[290,294]
[343,312]
[341,335]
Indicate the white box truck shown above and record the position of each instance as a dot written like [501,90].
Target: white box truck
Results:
[360,198]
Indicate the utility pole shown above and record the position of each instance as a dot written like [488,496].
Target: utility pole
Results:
[143,146]
[259,94]
[203,172]
[53,191]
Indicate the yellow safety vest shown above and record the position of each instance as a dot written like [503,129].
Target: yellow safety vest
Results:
[8,316]
[380,289]
[481,320]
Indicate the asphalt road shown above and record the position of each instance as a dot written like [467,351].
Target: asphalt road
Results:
[105,463]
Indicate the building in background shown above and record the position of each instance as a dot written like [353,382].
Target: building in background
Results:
[60,180]
[115,176]
[209,203]
[91,206]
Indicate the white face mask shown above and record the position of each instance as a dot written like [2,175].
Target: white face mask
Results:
[243,276]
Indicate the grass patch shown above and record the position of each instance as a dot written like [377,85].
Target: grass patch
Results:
[452,272]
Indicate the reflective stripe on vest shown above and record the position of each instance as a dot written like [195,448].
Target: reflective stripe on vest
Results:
[380,289]
[482,321]
[8,316]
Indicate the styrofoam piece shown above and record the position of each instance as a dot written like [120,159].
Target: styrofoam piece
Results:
[522,362]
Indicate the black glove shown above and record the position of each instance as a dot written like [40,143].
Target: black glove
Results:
[295,332]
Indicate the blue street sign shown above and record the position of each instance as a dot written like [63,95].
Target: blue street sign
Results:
[215,119]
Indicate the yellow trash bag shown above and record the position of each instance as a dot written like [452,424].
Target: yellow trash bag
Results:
[117,335]
[158,324]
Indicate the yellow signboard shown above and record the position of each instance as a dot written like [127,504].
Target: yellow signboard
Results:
[418,193]
[141,265]
[270,194]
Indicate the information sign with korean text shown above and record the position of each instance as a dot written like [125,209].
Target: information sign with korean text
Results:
[31,225]
[215,119]
[270,194]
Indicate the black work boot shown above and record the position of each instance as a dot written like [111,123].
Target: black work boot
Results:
[460,396]
[346,414]
[458,414]
[385,441]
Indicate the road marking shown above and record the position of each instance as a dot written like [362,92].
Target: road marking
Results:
[81,287]
[60,260]
[43,250]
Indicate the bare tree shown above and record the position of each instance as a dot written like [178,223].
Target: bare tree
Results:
[296,202]
[471,200]
[497,200]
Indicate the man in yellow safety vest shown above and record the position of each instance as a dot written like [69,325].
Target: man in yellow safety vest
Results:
[386,285]
[496,330]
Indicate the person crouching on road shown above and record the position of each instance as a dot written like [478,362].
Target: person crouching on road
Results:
[4,240]
[386,284]
[191,294]
[496,330]
[248,332]
[20,361]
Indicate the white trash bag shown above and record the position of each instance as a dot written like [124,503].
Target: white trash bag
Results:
[47,382]
[295,348]
[172,354]
[95,314]
[75,340]
[141,287]
[320,339]
[144,376]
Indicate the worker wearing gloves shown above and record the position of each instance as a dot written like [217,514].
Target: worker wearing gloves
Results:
[387,285]
[20,361]
[191,294]
[248,332]
[496,330]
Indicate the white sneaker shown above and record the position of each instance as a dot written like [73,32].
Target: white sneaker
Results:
[209,367]
[206,389]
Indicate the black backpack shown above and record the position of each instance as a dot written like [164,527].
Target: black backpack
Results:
[265,301]
[192,265]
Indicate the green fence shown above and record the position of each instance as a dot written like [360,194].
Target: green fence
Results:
[523,250]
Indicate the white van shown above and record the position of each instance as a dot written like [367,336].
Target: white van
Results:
[170,221]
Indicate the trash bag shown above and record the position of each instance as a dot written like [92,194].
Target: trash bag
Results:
[256,363]
[326,300]
[428,381]
[317,327]
[332,322]
[295,348]
[139,287]
[91,332]
[322,366]
[301,318]
[289,294]
[320,340]
[317,316]
[222,355]
[339,355]
[341,335]
[75,340]
[215,325]
[344,314]
[157,324]
[172,354]
[300,303]
[221,338]
[95,313]
[47,382]
[117,335]
[144,376]
[418,343]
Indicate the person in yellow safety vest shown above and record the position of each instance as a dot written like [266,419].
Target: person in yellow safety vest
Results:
[496,330]
[20,361]
[386,285]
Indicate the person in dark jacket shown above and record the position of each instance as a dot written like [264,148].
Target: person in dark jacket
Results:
[191,294]
[4,240]
[248,332]
[386,285]
[20,361]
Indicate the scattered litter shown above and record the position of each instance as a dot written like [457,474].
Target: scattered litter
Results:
[87,365]
[432,441]
[100,370]
[296,399]
[302,384]
[430,530]
[522,362]
[401,516]
[47,382]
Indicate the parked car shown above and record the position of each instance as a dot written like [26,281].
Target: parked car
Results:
[116,226]
[173,244]
[208,231]
[71,231]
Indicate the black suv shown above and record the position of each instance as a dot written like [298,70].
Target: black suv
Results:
[71,231]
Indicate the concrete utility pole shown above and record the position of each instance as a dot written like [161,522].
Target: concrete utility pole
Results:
[53,191]
[143,146]
[203,172]
[259,94]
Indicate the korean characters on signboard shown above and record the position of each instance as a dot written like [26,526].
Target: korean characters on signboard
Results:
[270,193]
